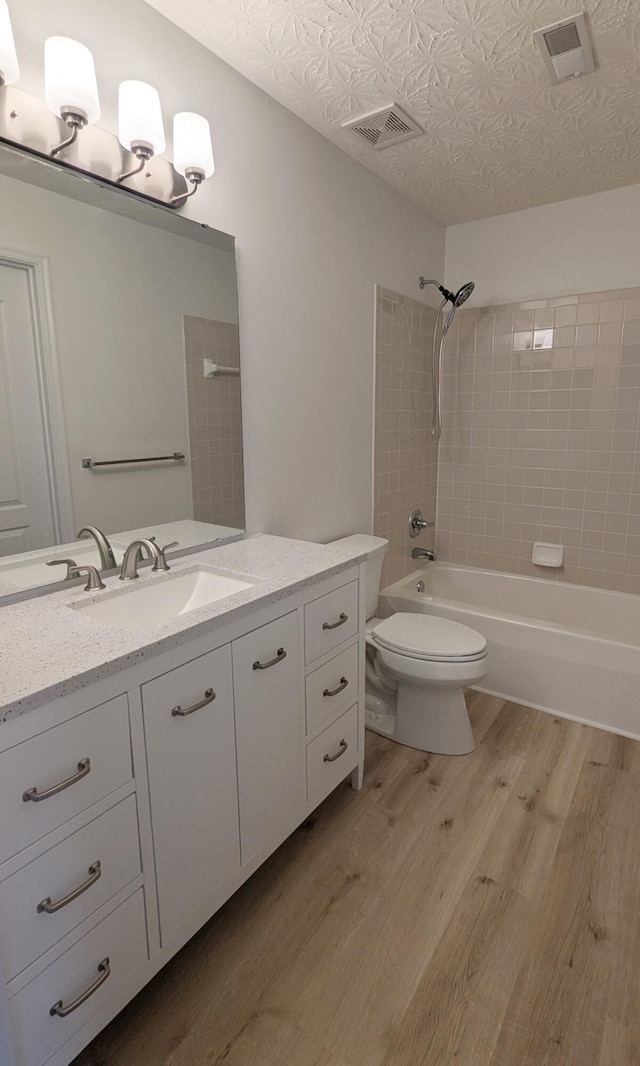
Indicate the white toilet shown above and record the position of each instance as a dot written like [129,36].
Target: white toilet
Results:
[417,667]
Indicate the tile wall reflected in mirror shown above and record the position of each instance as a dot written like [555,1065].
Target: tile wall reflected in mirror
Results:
[112,312]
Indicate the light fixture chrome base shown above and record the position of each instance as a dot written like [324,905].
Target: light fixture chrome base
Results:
[143,152]
[76,120]
[196,177]
[27,124]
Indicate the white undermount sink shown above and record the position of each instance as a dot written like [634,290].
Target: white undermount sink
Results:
[164,600]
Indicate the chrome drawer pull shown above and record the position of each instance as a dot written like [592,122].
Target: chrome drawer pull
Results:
[334,691]
[84,768]
[179,712]
[59,1009]
[332,758]
[279,656]
[95,873]
[335,625]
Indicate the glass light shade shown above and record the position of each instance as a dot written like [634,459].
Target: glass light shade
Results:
[192,144]
[70,78]
[140,116]
[9,69]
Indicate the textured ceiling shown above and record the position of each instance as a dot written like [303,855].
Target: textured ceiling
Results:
[499,137]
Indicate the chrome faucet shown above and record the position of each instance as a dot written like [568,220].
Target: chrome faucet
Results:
[423,553]
[133,556]
[107,558]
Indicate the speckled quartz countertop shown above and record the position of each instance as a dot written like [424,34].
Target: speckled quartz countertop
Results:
[48,650]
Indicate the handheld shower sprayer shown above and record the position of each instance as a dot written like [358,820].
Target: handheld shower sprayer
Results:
[456,299]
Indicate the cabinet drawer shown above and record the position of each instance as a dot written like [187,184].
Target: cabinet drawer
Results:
[334,749]
[330,620]
[270,732]
[101,859]
[331,687]
[111,953]
[89,756]
[191,757]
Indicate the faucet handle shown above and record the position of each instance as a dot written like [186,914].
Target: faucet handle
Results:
[94,581]
[161,565]
[70,565]
[417,523]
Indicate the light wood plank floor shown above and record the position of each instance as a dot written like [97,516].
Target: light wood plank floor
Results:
[476,911]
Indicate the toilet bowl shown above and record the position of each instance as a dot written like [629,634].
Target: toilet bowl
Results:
[417,667]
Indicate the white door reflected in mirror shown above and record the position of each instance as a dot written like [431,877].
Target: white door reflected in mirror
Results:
[26,514]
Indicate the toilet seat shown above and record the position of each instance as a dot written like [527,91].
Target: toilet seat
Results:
[428,638]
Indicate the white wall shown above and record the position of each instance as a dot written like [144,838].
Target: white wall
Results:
[315,231]
[119,292]
[587,244]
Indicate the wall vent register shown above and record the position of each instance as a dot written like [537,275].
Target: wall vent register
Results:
[567,48]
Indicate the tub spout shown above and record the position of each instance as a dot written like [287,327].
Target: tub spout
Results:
[423,553]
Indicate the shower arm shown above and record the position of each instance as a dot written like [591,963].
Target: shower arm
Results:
[432,281]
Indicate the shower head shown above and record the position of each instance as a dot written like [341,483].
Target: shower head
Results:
[455,298]
[463,293]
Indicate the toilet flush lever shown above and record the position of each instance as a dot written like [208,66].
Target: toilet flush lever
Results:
[417,523]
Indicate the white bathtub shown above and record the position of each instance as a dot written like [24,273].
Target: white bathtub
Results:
[568,649]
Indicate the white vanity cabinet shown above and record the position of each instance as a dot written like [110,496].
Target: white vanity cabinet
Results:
[270,731]
[72,916]
[133,808]
[191,762]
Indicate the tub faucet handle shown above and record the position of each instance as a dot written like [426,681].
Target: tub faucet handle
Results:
[417,523]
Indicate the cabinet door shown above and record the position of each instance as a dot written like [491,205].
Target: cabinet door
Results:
[270,730]
[190,737]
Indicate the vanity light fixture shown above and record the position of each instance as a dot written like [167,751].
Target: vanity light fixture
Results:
[71,94]
[71,89]
[9,69]
[192,150]
[140,126]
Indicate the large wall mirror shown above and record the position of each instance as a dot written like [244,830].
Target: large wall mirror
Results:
[119,374]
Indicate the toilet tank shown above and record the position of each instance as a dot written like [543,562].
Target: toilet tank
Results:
[374,548]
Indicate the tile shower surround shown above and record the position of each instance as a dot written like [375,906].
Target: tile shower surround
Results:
[215,423]
[405,459]
[540,438]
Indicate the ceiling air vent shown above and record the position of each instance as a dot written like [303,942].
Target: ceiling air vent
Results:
[566,48]
[383,128]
